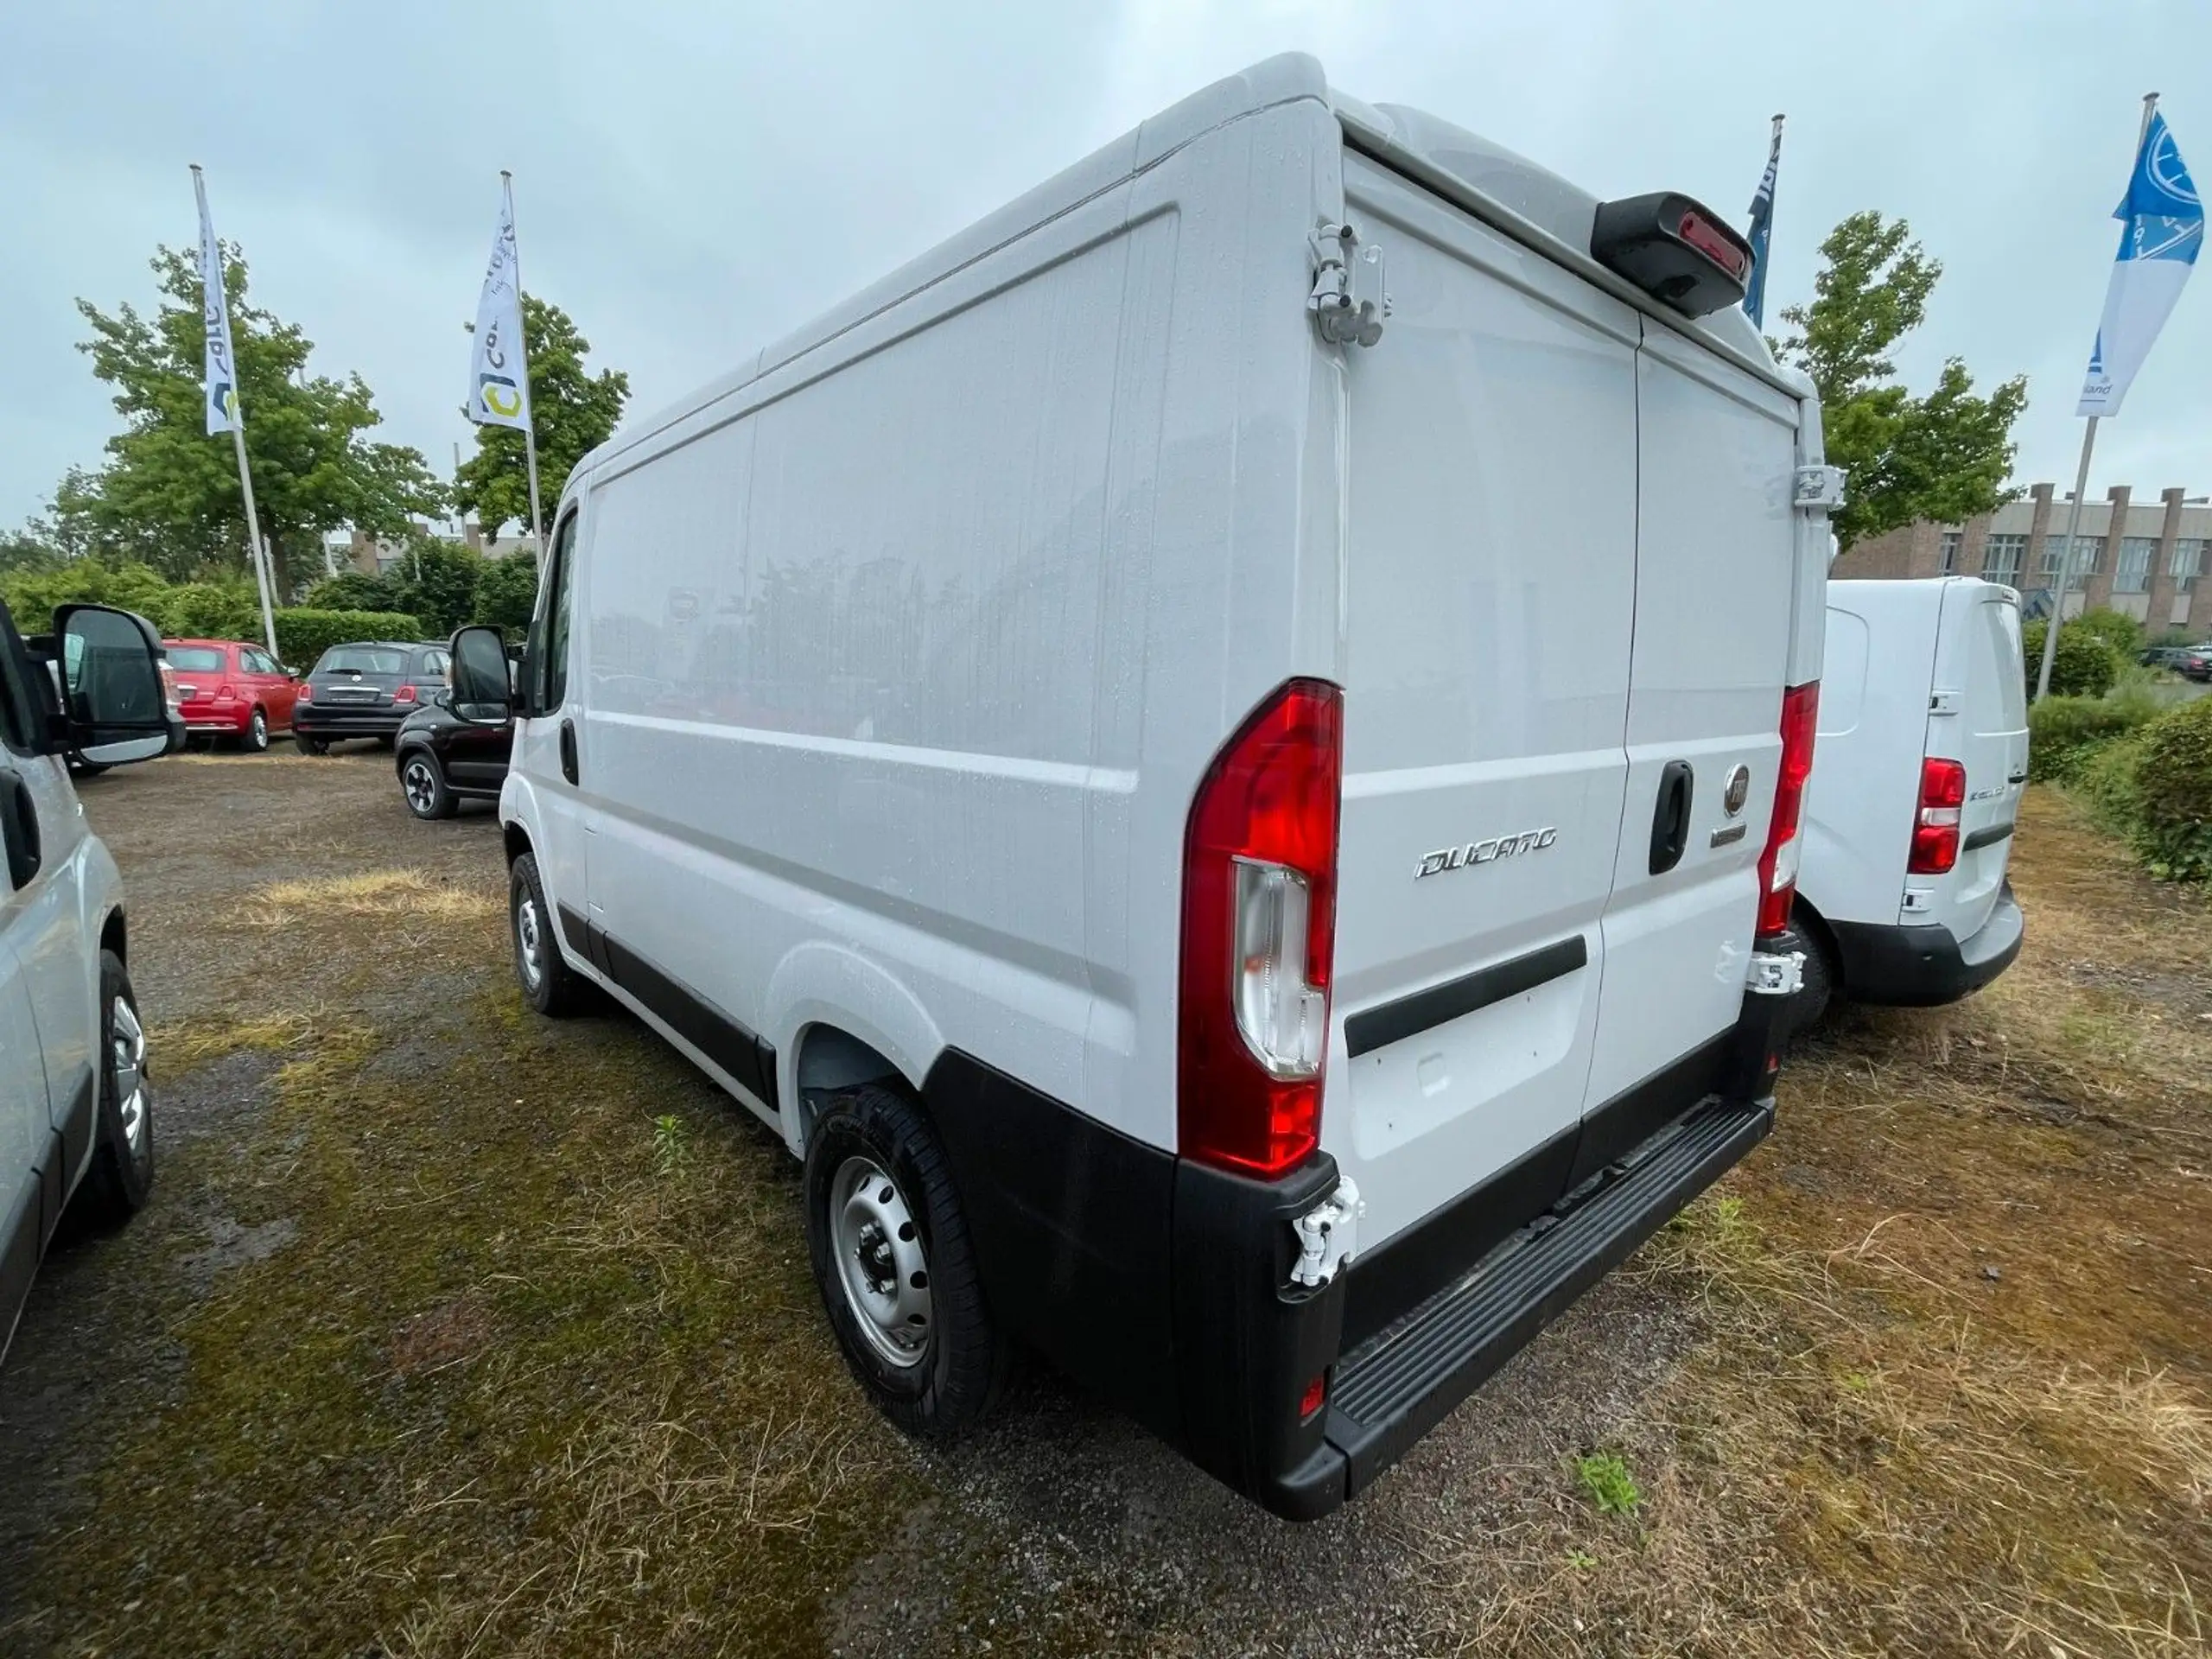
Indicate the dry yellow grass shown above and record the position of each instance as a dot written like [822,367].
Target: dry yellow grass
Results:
[406,895]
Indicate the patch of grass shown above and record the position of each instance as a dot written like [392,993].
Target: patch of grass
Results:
[397,893]
[1607,1481]
[671,1144]
[181,1044]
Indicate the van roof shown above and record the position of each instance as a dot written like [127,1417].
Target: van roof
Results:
[1513,194]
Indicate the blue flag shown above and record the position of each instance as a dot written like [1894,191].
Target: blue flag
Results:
[1762,223]
[2162,231]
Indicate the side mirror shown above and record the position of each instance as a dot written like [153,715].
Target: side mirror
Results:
[482,693]
[114,709]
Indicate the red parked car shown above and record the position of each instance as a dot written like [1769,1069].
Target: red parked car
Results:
[227,688]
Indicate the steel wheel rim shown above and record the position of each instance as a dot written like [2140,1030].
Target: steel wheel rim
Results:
[421,787]
[529,942]
[126,1070]
[881,1263]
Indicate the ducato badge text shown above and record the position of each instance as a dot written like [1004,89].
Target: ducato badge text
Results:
[1486,852]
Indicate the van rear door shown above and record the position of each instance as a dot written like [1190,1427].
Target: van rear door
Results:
[1978,714]
[1488,583]
[1715,580]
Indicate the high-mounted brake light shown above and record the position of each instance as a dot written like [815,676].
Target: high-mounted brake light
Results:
[1935,831]
[1801,711]
[1675,250]
[1713,243]
[1259,932]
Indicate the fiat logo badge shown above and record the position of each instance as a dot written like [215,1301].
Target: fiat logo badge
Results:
[1737,790]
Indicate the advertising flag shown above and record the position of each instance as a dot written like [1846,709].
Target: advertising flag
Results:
[220,384]
[499,380]
[1762,224]
[2161,230]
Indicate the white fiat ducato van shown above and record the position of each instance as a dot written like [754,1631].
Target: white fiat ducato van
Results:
[1220,755]
[1903,896]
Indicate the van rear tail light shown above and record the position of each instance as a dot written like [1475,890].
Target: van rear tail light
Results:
[1936,832]
[1801,710]
[405,693]
[1259,934]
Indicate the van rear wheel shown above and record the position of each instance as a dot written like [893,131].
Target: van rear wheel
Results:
[890,1256]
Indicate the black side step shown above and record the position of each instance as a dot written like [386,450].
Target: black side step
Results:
[1402,1382]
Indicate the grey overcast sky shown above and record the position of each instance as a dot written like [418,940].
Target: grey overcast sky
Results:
[694,179]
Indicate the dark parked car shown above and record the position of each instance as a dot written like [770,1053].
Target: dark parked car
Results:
[444,760]
[365,691]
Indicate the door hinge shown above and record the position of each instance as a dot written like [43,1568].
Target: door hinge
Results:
[1775,973]
[1348,302]
[1327,1234]
[1820,489]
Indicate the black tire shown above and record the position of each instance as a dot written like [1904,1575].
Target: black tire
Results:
[960,1362]
[549,984]
[255,738]
[423,784]
[310,745]
[121,1178]
[1823,982]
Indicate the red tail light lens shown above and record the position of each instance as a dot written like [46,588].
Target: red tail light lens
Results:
[1316,1396]
[405,693]
[306,692]
[225,694]
[1258,933]
[1801,711]
[1936,832]
[1715,244]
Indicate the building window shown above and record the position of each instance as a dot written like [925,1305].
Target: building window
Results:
[2089,555]
[2133,574]
[2188,562]
[2001,556]
[1950,550]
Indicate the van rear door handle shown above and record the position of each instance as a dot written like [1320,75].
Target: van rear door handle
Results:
[1670,818]
[568,750]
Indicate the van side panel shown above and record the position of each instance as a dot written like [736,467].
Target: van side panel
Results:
[1490,578]
[844,653]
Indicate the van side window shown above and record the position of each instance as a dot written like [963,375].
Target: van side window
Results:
[548,629]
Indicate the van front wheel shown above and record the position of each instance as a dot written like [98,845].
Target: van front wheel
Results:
[893,1261]
[549,984]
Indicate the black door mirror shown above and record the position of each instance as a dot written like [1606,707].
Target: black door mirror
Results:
[109,668]
[483,693]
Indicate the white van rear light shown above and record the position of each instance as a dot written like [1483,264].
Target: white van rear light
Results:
[1259,932]
[1936,832]
[1801,711]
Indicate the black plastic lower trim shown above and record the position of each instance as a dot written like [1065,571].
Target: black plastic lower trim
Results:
[21,1240]
[1635,1115]
[1923,966]
[77,1128]
[1391,1022]
[749,1059]
[1070,1222]
[1988,836]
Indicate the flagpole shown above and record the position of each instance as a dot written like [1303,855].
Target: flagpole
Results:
[530,431]
[2081,489]
[255,554]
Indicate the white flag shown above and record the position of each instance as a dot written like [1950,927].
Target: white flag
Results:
[220,385]
[2163,232]
[498,380]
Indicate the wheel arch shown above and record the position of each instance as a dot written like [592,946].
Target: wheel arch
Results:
[840,1019]
[115,935]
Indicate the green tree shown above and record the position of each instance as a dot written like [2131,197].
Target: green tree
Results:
[1944,456]
[508,592]
[435,580]
[168,495]
[31,548]
[573,411]
[354,590]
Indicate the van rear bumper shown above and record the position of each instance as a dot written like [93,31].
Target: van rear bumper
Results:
[1920,967]
[1166,1286]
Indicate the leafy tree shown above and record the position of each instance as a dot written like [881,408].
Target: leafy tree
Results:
[435,580]
[30,548]
[508,591]
[355,590]
[169,494]
[575,412]
[1944,456]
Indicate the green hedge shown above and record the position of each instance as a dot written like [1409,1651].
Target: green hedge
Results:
[2063,733]
[2172,785]
[2086,665]
[2123,633]
[302,634]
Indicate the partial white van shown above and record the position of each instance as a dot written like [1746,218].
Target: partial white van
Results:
[1220,755]
[1923,756]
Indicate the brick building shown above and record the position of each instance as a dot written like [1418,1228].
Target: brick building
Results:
[358,550]
[2148,559]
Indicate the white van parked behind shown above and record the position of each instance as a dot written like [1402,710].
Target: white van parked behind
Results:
[1909,819]
[1220,755]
